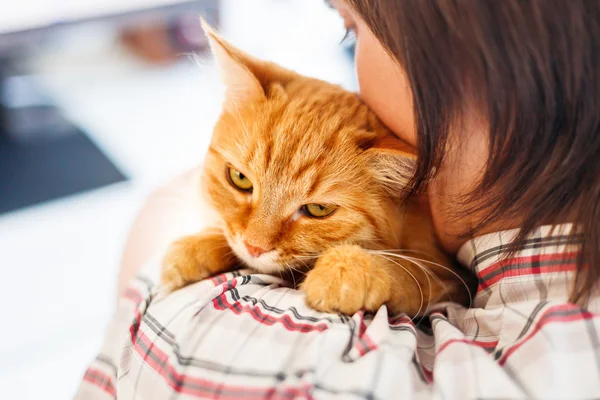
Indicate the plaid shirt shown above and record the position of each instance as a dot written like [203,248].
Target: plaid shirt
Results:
[247,336]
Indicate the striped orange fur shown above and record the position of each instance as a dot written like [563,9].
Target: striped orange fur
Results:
[299,141]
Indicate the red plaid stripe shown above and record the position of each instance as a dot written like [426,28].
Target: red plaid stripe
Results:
[222,303]
[540,264]
[101,380]
[560,314]
[240,336]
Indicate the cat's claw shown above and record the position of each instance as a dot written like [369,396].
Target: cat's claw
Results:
[346,279]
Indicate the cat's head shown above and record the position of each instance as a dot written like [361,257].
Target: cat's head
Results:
[297,165]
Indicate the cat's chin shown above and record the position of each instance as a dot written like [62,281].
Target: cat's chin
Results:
[267,263]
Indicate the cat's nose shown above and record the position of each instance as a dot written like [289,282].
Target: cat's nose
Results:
[253,250]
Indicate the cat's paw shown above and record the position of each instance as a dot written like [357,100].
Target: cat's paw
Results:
[347,279]
[180,264]
[193,258]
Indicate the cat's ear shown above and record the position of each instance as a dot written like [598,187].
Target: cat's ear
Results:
[242,84]
[392,162]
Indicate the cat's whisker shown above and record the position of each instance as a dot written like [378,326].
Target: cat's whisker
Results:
[295,269]
[293,277]
[374,242]
[401,250]
[300,259]
[423,268]
[280,276]
[229,253]
[192,56]
[438,280]
[289,267]
[428,273]
[409,258]
[412,276]
[307,263]
[307,266]
[189,54]
[452,272]
[306,257]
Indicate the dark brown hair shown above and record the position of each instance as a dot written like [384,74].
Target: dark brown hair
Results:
[534,69]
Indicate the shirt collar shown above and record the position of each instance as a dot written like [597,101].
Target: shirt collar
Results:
[485,250]
[542,268]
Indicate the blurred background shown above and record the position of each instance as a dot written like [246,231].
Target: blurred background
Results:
[101,101]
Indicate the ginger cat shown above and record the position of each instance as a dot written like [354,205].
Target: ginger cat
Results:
[306,180]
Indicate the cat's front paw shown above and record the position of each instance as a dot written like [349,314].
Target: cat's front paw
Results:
[182,264]
[347,279]
[193,258]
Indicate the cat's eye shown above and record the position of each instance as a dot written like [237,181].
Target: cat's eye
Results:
[239,180]
[318,210]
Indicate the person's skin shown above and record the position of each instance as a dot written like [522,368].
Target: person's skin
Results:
[384,88]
